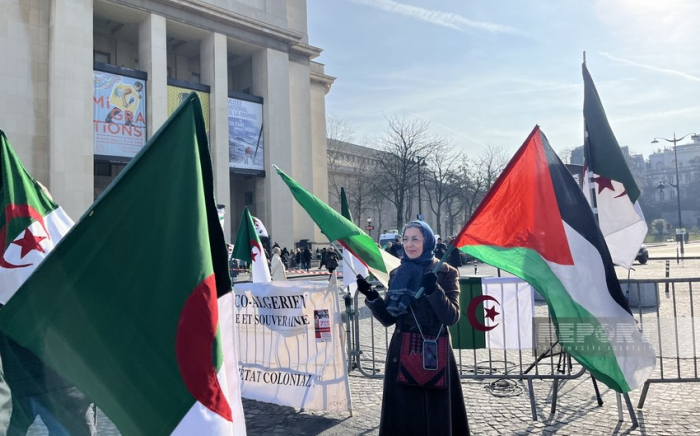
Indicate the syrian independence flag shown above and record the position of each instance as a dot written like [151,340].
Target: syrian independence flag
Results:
[535,223]
[31,224]
[136,332]
[616,193]
[338,228]
[497,314]
[352,266]
[249,248]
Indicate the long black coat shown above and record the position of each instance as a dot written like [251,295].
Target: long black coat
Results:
[409,410]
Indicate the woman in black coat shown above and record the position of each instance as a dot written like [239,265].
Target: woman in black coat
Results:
[413,410]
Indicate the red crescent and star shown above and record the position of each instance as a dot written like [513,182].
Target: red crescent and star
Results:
[28,241]
[490,312]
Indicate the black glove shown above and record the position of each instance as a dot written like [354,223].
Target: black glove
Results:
[365,288]
[429,283]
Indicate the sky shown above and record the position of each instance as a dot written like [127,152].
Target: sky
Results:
[486,72]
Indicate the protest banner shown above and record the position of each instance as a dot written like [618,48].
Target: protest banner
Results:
[290,344]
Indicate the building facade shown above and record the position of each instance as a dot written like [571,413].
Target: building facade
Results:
[661,176]
[353,167]
[85,83]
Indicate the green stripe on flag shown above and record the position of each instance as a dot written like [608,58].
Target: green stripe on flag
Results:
[336,227]
[17,190]
[464,335]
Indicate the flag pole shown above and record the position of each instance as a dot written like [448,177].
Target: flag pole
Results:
[589,173]
[437,267]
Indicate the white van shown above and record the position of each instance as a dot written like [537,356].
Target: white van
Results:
[389,236]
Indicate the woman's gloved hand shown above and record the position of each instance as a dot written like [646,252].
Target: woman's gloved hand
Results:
[365,288]
[429,283]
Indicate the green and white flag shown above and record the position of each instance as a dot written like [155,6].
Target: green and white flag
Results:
[139,333]
[497,313]
[31,224]
[616,193]
[249,248]
[337,228]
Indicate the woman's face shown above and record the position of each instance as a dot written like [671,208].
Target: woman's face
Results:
[413,243]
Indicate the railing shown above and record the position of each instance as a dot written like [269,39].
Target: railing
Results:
[664,309]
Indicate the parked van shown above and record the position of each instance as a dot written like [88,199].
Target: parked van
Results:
[388,236]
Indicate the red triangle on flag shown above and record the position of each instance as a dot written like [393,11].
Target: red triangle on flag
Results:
[521,208]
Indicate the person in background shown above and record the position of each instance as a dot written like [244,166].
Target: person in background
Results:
[322,258]
[277,270]
[397,248]
[419,410]
[306,259]
[440,248]
[455,258]
[388,247]
[331,260]
[285,257]
[297,258]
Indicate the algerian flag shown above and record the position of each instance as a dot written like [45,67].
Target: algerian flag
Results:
[31,224]
[259,227]
[337,228]
[137,333]
[249,248]
[497,313]
[536,224]
[351,264]
[616,193]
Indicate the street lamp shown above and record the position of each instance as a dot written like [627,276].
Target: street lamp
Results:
[369,227]
[421,163]
[678,179]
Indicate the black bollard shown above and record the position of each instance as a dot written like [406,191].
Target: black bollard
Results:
[668,269]
[347,298]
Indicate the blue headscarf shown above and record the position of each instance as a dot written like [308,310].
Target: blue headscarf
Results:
[408,276]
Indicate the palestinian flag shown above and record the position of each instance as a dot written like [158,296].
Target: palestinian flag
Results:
[138,278]
[249,248]
[614,194]
[352,266]
[535,223]
[31,224]
[337,228]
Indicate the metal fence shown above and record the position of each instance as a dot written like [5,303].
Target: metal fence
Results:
[663,308]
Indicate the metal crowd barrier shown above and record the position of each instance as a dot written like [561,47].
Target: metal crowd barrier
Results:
[665,310]
[664,313]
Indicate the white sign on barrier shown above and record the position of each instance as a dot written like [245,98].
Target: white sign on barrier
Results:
[290,344]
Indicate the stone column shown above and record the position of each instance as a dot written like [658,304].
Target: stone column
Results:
[71,161]
[153,60]
[214,70]
[304,161]
[274,202]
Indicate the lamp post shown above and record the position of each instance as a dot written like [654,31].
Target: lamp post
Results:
[678,180]
[369,226]
[421,163]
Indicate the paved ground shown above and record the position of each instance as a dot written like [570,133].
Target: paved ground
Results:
[670,409]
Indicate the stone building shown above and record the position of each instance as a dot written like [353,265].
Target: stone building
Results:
[84,84]
[352,166]
[661,175]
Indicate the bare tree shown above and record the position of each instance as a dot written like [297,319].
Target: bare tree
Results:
[441,181]
[339,134]
[359,190]
[481,174]
[403,146]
